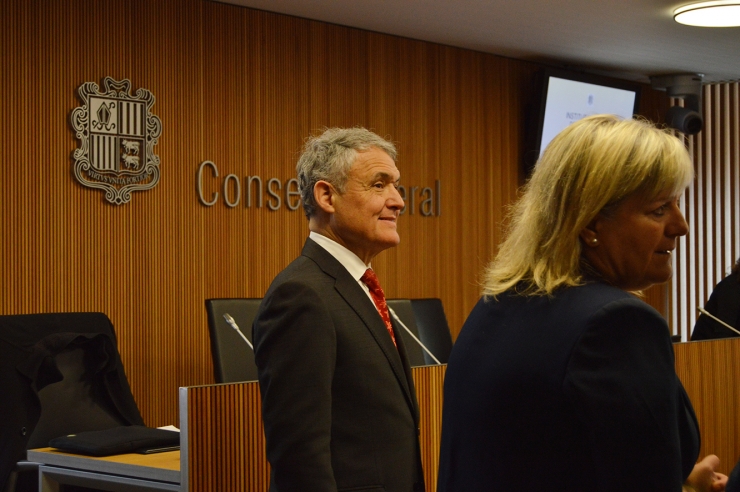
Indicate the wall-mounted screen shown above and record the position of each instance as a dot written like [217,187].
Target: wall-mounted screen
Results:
[567,97]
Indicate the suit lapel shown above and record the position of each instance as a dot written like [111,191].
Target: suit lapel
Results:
[348,288]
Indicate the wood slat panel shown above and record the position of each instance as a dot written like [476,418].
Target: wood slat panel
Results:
[226,443]
[241,88]
[710,372]
[711,205]
[429,382]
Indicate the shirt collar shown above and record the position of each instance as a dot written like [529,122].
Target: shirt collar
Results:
[354,265]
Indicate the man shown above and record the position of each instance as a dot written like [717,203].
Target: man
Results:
[338,401]
[724,304]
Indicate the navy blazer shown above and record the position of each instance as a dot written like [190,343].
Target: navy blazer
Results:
[575,392]
[338,401]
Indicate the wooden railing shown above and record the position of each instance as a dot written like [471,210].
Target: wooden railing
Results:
[223,445]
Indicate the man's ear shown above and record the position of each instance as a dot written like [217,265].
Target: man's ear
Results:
[589,234]
[324,194]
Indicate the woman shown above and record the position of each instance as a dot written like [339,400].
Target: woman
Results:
[561,379]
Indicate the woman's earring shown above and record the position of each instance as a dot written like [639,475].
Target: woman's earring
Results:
[594,241]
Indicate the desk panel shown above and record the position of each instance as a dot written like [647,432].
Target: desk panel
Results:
[710,372]
[225,444]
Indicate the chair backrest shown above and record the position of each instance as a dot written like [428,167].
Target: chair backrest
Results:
[426,319]
[433,328]
[403,309]
[233,359]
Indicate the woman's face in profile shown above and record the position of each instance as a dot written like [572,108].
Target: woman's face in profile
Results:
[632,247]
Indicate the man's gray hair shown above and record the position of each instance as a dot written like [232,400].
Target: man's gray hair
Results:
[329,157]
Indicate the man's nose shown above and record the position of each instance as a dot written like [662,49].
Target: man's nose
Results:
[395,201]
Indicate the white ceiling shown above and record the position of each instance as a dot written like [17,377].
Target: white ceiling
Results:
[630,39]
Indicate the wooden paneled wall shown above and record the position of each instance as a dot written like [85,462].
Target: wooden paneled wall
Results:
[712,206]
[241,88]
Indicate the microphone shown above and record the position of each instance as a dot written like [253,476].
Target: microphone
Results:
[395,316]
[233,324]
[704,311]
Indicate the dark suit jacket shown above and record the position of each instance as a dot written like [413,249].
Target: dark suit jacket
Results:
[338,401]
[577,392]
[724,303]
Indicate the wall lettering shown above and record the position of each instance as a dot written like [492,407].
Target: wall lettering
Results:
[253,191]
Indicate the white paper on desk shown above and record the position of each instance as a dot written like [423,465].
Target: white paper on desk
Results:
[169,428]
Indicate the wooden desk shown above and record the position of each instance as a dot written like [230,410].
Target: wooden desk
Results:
[222,446]
[120,473]
[224,449]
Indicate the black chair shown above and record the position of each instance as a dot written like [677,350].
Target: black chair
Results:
[415,354]
[233,358]
[60,374]
[433,328]
[427,321]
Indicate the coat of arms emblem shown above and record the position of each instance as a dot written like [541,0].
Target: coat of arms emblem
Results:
[117,134]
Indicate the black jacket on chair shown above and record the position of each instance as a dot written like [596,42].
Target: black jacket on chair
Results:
[28,346]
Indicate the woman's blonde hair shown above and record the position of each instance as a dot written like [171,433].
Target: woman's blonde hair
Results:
[587,169]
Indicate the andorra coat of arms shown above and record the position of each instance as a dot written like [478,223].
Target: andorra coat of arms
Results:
[117,134]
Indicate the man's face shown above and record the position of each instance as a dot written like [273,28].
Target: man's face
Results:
[365,215]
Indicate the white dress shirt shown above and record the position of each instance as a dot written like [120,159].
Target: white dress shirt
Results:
[354,265]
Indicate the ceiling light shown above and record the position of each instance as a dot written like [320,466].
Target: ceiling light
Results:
[709,14]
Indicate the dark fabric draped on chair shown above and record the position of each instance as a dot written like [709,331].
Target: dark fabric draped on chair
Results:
[60,373]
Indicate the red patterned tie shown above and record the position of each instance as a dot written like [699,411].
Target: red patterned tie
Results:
[371,280]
